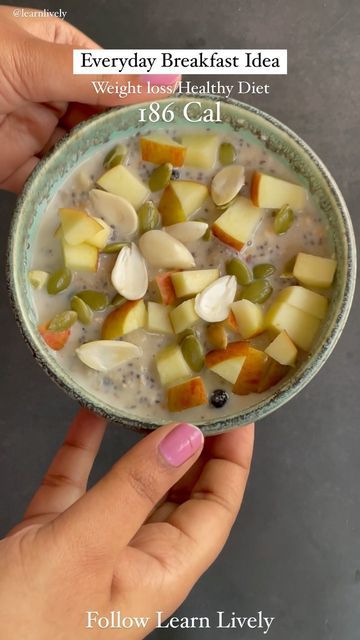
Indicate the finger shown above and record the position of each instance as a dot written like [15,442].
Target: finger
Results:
[123,499]
[16,180]
[46,74]
[67,477]
[205,520]
[77,112]
[56,135]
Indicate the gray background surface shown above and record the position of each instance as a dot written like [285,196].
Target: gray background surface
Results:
[295,549]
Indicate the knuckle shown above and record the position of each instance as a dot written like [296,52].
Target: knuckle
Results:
[59,480]
[144,485]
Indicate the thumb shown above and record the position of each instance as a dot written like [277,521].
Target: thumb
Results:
[47,70]
[110,514]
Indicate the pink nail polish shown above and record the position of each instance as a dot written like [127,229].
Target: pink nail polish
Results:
[156,79]
[181,443]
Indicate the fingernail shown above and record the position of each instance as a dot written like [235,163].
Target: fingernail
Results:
[156,79]
[181,443]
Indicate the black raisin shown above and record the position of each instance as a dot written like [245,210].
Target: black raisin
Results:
[175,174]
[218,398]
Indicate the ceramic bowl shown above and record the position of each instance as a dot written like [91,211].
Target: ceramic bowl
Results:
[87,138]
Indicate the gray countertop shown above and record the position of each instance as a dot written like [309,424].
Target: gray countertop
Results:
[294,552]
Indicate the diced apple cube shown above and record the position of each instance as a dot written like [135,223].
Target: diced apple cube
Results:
[252,372]
[165,287]
[228,362]
[101,238]
[273,373]
[56,340]
[269,192]
[122,182]
[249,318]
[77,226]
[189,283]
[180,199]
[238,223]
[314,271]
[282,349]
[301,327]
[80,257]
[171,365]
[158,318]
[160,148]
[201,149]
[186,395]
[305,299]
[183,316]
[131,315]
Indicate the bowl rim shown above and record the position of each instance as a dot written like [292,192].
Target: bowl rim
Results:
[281,395]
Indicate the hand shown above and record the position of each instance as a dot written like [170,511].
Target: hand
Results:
[136,542]
[40,98]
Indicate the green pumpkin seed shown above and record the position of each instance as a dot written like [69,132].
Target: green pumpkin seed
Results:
[160,177]
[263,270]
[227,153]
[288,268]
[38,279]
[149,217]
[118,300]
[193,352]
[184,334]
[96,300]
[59,281]
[114,247]
[283,220]
[240,270]
[116,156]
[257,291]
[84,313]
[62,321]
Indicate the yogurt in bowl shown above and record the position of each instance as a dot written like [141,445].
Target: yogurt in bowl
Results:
[179,272]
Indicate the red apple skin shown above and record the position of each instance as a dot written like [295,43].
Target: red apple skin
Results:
[255,188]
[251,373]
[56,340]
[233,350]
[108,330]
[231,322]
[225,238]
[166,288]
[190,393]
[158,153]
[273,374]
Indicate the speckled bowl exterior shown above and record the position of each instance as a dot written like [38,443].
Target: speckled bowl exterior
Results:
[87,138]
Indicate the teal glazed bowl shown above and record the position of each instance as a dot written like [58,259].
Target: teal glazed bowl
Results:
[89,137]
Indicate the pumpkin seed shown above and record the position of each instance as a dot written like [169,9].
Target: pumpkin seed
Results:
[117,300]
[84,313]
[257,291]
[114,247]
[96,300]
[38,279]
[62,321]
[283,220]
[160,177]
[115,156]
[227,153]
[59,281]
[238,268]
[263,270]
[149,217]
[193,352]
